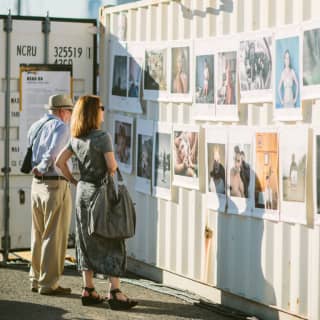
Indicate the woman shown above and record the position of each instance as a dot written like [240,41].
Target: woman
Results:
[288,81]
[206,76]
[180,82]
[186,144]
[123,151]
[236,184]
[94,152]
[229,98]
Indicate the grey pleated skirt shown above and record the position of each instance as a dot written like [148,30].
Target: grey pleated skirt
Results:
[103,256]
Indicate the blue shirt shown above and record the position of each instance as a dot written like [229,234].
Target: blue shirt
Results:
[51,139]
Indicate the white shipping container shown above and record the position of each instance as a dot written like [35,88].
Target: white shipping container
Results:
[270,269]
[69,41]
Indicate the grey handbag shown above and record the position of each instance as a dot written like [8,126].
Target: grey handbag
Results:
[112,214]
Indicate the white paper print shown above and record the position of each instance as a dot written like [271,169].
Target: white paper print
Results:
[144,141]
[293,168]
[255,67]
[311,60]
[134,82]
[162,161]
[125,77]
[240,175]
[227,79]
[186,156]
[204,80]
[216,167]
[180,68]
[156,75]
[266,169]
[123,142]
[316,175]
[287,95]
[118,74]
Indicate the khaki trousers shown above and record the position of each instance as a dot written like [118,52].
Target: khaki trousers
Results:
[51,216]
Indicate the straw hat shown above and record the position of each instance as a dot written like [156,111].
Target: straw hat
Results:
[59,101]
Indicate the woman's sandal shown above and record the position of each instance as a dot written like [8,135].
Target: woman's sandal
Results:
[116,304]
[90,299]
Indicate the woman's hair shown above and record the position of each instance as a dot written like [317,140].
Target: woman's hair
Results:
[122,131]
[284,55]
[85,116]
[182,55]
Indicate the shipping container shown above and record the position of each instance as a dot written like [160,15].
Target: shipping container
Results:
[266,268]
[34,41]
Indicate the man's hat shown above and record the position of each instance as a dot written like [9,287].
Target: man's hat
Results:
[59,101]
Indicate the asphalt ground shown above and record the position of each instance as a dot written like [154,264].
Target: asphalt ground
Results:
[17,302]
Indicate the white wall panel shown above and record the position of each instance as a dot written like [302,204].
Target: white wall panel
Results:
[272,263]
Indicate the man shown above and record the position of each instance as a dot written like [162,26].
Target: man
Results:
[217,175]
[236,184]
[245,173]
[50,198]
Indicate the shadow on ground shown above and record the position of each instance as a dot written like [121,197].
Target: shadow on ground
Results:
[15,310]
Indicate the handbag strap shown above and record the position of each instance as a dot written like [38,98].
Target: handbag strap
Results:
[38,131]
[119,176]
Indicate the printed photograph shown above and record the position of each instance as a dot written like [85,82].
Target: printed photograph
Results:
[180,73]
[227,78]
[318,173]
[267,171]
[240,169]
[204,79]
[119,82]
[186,153]
[255,64]
[293,172]
[287,85]
[162,160]
[155,74]
[216,167]
[311,57]
[134,78]
[144,165]
[122,141]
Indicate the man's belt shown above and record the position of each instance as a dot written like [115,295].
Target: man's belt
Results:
[44,178]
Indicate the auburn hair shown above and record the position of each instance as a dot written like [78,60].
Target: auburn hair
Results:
[85,115]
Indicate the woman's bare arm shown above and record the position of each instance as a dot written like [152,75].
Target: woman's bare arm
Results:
[61,163]
[111,162]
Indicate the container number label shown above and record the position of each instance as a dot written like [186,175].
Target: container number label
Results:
[64,55]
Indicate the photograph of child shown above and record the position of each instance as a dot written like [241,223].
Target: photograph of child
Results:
[180,70]
[186,153]
[162,160]
[119,82]
[267,171]
[204,79]
[155,74]
[287,88]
